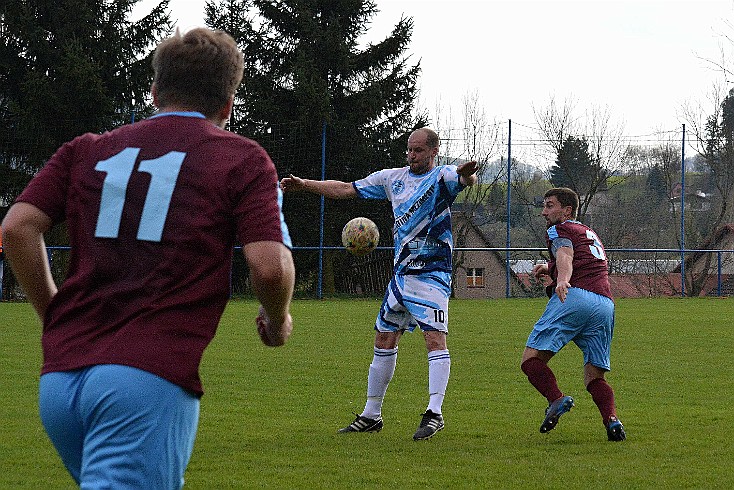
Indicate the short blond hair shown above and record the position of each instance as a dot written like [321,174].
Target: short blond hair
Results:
[199,70]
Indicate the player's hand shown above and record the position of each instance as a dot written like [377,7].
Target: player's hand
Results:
[540,270]
[541,274]
[562,290]
[273,335]
[292,183]
[467,169]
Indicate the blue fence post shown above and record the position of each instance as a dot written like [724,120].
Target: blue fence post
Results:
[718,273]
[320,293]
[683,214]
[508,241]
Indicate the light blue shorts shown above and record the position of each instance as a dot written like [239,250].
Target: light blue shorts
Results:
[119,427]
[416,301]
[585,318]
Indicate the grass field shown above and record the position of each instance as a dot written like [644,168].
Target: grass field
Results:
[269,416]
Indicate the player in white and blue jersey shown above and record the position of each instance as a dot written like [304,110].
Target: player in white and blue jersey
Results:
[421,195]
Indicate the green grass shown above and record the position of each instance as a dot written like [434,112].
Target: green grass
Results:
[269,416]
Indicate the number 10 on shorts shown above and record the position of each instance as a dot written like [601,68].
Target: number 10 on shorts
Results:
[439,316]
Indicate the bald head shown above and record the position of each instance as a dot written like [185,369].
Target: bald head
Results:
[431,138]
[422,149]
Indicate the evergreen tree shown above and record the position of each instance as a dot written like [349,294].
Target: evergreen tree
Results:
[717,139]
[68,67]
[572,164]
[656,185]
[577,169]
[304,68]
[303,65]
[719,157]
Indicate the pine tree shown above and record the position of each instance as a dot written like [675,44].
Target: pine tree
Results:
[576,169]
[573,163]
[304,67]
[68,67]
[656,185]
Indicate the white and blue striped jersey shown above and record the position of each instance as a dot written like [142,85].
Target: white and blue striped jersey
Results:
[421,208]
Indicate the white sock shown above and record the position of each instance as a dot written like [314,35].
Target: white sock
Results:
[381,372]
[439,368]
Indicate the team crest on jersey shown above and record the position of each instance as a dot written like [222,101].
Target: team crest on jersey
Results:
[397,187]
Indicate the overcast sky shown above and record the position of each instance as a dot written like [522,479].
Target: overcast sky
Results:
[641,59]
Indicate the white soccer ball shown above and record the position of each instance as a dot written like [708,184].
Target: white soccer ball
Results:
[360,236]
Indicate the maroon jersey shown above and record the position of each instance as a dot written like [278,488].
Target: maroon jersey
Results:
[589,259]
[154,210]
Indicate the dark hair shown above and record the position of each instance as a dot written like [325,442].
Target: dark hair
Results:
[199,70]
[566,197]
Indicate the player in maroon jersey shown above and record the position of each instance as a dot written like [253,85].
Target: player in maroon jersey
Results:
[154,210]
[580,309]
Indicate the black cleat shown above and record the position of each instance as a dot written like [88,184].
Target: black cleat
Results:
[615,430]
[430,424]
[363,424]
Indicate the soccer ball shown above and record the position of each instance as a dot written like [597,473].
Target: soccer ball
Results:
[360,236]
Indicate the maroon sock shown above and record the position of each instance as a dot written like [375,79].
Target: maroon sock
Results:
[542,378]
[603,396]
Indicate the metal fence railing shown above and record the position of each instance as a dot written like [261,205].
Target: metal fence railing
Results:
[478,272]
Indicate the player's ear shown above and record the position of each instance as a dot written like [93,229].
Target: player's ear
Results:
[226,111]
[154,93]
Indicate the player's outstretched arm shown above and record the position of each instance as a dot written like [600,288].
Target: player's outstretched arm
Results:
[467,173]
[333,189]
[23,229]
[273,276]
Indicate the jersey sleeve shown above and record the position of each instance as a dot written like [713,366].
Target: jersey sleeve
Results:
[374,186]
[560,242]
[452,179]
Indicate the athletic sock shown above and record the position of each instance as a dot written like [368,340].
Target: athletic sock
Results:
[542,378]
[381,372]
[603,396]
[439,368]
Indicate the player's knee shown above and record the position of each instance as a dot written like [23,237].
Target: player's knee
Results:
[591,376]
[435,340]
[387,340]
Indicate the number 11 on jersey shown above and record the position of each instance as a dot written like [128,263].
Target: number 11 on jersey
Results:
[163,172]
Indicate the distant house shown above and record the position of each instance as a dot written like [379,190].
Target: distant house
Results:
[480,273]
[693,201]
